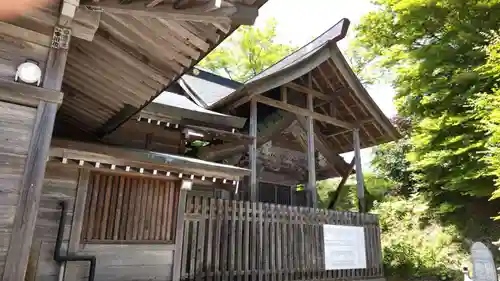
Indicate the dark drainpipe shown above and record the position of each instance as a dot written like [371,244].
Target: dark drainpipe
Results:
[60,258]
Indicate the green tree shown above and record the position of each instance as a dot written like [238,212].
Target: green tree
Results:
[487,109]
[432,48]
[247,52]
[414,244]
[390,160]
[375,189]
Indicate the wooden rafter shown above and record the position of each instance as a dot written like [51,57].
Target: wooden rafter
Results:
[228,13]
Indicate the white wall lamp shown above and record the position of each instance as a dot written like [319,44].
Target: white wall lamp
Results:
[29,72]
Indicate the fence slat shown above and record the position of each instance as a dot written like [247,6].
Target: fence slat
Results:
[239,241]
[246,242]
[278,234]
[218,233]
[254,244]
[209,246]
[229,240]
[260,259]
[232,236]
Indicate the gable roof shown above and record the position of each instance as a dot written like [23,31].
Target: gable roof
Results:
[333,78]
[207,88]
[179,106]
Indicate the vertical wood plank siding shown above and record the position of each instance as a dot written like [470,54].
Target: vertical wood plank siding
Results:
[16,125]
[236,240]
[130,209]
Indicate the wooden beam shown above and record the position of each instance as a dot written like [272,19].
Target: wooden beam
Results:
[221,151]
[27,95]
[303,112]
[331,155]
[252,152]
[359,172]
[84,24]
[116,120]
[309,91]
[233,13]
[113,155]
[341,187]
[216,133]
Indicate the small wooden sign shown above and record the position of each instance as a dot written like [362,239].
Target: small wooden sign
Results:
[483,266]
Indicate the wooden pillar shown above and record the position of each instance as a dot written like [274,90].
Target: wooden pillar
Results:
[71,270]
[311,155]
[359,172]
[41,135]
[252,153]
[179,233]
[26,124]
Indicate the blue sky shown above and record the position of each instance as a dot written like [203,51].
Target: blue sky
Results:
[301,21]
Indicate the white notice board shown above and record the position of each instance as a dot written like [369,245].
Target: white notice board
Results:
[344,247]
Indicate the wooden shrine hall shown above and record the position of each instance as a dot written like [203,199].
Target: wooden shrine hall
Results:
[112,169]
[303,112]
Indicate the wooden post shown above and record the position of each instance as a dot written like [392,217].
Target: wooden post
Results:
[311,159]
[77,222]
[359,171]
[179,233]
[34,168]
[252,153]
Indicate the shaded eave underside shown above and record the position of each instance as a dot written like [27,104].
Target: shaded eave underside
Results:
[127,64]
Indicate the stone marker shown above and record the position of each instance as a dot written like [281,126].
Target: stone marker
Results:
[483,266]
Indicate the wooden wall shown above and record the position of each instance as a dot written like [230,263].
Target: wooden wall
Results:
[60,183]
[128,262]
[143,135]
[17,45]
[209,192]
[16,125]
[124,262]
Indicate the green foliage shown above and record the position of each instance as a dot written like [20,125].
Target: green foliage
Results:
[390,161]
[375,190]
[487,109]
[432,50]
[248,51]
[414,244]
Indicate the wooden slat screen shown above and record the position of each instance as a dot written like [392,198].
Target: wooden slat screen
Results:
[125,209]
[229,240]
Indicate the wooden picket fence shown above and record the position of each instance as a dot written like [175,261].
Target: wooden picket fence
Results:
[237,240]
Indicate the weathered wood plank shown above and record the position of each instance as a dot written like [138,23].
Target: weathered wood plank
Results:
[180,241]
[31,188]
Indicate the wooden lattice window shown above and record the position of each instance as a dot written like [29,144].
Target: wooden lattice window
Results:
[127,209]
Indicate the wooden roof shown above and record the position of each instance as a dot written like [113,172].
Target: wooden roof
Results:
[341,103]
[124,53]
